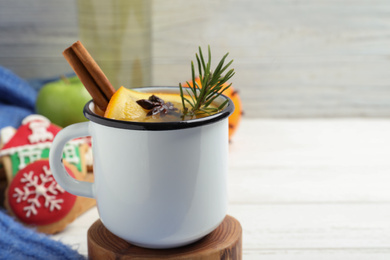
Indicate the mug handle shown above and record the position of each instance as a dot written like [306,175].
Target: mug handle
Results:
[76,187]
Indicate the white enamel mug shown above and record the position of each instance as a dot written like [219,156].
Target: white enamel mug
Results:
[157,185]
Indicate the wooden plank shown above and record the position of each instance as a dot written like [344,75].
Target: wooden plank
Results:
[299,185]
[306,142]
[314,231]
[310,161]
[320,254]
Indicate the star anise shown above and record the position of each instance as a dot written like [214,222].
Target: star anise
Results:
[156,105]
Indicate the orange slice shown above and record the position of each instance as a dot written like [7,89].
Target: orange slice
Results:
[123,105]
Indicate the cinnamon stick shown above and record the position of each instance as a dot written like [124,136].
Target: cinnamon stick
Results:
[90,74]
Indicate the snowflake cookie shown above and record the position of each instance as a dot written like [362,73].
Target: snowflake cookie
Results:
[36,199]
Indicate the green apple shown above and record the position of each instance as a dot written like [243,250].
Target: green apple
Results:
[62,101]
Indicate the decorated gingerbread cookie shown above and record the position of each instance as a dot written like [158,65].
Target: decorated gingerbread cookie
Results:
[32,142]
[35,198]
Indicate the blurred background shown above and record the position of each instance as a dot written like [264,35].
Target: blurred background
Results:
[293,58]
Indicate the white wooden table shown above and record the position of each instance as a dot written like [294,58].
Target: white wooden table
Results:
[303,189]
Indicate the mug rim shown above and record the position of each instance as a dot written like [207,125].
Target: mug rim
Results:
[159,126]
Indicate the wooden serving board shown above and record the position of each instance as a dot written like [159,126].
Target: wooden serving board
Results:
[225,242]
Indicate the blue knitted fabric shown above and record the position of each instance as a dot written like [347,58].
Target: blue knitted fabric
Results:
[19,242]
[17,99]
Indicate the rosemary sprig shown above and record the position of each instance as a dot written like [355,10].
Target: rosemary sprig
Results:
[211,86]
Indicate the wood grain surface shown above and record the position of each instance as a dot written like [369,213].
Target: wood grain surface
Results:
[303,58]
[223,243]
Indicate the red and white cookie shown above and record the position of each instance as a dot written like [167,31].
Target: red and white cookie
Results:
[36,199]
